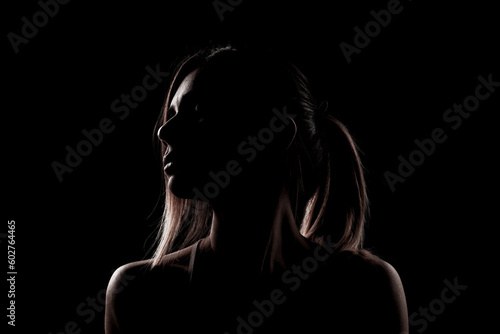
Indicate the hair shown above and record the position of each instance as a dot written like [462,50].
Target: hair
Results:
[325,178]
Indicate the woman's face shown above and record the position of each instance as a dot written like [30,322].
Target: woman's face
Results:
[203,129]
[211,134]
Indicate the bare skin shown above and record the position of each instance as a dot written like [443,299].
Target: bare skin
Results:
[231,259]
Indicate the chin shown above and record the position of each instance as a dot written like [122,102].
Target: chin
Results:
[182,186]
[179,187]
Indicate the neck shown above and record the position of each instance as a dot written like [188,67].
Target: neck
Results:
[252,232]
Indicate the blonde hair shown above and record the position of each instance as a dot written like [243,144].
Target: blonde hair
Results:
[325,183]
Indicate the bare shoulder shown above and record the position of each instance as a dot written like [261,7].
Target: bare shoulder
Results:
[366,263]
[372,271]
[125,275]
[137,287]
[393,304]
[383,269]
[387,276]
[378,286]
[172,265]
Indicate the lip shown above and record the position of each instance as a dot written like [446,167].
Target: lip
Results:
[171,167]
[170,163]
[168,158]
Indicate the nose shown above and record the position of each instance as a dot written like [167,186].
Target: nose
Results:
[166,132]
[161,133]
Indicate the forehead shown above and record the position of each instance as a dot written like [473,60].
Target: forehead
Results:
[185,87]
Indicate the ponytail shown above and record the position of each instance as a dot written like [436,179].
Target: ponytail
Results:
[340,204]
[325,176]
[328,186]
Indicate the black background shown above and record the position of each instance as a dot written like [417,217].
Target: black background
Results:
[439,224]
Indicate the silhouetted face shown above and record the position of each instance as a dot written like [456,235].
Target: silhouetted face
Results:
[211,134]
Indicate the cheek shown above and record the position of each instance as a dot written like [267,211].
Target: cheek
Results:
[208,153]
[218,143]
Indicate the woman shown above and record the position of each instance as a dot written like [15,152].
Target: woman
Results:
[265,205]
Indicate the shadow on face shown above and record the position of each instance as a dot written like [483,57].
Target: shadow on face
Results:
[225,131]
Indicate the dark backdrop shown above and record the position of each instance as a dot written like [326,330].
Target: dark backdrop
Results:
[439,224]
